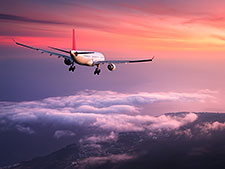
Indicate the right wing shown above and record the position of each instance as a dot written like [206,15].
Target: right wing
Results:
[123,61]
[44,51]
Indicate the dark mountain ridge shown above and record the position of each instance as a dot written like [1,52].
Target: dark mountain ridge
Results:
[200,144]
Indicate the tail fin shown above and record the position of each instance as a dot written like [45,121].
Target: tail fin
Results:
[73,42]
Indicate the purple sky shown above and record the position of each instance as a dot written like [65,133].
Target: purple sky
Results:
[187,38]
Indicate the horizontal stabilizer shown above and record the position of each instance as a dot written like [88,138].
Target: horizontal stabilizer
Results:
[61,50]
[84,52]
[144,60]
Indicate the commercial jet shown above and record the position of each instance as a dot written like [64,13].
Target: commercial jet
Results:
[85,58]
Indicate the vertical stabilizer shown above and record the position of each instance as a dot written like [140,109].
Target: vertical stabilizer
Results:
[74,42]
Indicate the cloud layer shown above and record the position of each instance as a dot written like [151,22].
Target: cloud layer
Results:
[94,119]
[104,109]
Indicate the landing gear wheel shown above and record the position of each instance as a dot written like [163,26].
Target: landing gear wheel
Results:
[72,68]
[97,71]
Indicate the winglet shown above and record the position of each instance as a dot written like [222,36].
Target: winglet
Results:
[153,57]
[14,40]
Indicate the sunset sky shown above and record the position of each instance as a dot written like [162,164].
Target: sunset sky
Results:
[187,38]
[153,25]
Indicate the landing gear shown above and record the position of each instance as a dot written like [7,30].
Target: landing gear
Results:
[97,70]
[72,68]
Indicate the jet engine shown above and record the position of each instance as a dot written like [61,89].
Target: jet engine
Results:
[111,66]
[67,62]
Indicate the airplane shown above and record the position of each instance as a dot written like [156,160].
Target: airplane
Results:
[84,58]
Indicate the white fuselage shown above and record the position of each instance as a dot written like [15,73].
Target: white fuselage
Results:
[87,59]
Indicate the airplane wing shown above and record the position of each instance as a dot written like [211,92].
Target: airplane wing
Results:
[44,51]
[123,61]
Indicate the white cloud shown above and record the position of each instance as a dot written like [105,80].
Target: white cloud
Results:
[95,101]
[172,122]
[143,122]
[105,109]
[24,129]
[63,133]
[101,138]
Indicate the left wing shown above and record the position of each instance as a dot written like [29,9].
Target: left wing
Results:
[123,61]
[44,51]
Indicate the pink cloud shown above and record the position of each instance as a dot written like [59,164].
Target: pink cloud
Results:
[101,160]
[207,127]
[186,132]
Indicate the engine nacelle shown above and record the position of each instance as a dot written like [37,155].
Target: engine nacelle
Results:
[67,62]
[111,66]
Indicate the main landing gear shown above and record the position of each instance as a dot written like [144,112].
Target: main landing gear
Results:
[72,68]
[97,70]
